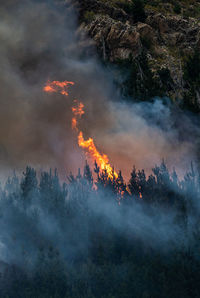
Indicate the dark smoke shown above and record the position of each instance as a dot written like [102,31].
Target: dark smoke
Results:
[40,40]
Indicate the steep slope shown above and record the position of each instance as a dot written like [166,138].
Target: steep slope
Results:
[158,52]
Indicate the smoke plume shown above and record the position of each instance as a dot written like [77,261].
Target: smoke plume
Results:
[40,41]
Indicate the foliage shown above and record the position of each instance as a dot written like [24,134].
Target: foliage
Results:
[192,81]
[139,80]
[89,16]
[177,7]
[111,240]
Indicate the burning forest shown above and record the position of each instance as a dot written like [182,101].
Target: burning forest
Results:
[101,160]
[99,193]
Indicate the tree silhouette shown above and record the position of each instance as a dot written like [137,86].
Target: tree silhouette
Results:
[98,237]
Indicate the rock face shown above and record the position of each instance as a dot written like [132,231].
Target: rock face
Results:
[114,39]
[175,30]
[166,38]
[103,8]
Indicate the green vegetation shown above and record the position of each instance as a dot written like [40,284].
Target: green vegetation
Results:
[135,8]
[70,240]
[190,8]
[192,81]
[89,16]
[139,82]
[177,8]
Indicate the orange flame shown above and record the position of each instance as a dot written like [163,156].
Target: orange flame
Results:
[78,112]
[140,194]
[57,86]
[101,159]
[74,123]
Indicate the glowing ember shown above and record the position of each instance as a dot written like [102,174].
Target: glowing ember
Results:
[74,123]
[57,86]
[78,112]
[140,194]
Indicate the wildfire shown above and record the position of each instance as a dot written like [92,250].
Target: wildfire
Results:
[101,159]
[78,110]
[140,193]
[57,86]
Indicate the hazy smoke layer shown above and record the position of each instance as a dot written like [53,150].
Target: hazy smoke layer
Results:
[40,41]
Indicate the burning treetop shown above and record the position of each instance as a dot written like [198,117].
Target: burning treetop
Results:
[102,160]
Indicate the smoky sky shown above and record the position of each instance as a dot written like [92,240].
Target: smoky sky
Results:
[40,41]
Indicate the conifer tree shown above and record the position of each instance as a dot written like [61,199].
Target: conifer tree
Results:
[133,183]
[29,185]
[88,174]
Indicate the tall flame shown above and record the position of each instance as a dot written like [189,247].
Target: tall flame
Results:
[101,159]
[78,110]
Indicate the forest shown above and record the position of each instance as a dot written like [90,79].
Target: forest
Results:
[95,236]
[116,81]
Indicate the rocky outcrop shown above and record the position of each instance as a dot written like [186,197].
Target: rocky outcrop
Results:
[167,39]
[175,30]
[115,40]
[99,7]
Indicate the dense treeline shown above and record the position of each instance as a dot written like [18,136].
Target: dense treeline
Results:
[99,237]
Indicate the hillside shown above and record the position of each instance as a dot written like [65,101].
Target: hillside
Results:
[99,179]
[157,47]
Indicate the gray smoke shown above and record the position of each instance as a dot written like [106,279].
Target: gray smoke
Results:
[25,232]
[40,41]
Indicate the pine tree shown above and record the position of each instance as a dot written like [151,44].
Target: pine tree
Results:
[120,185]
[88,175]
[133,183]
[29,186]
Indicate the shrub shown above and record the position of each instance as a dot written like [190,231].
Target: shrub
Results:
[89,16]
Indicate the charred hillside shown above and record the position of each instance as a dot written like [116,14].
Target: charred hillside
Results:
[156,42]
